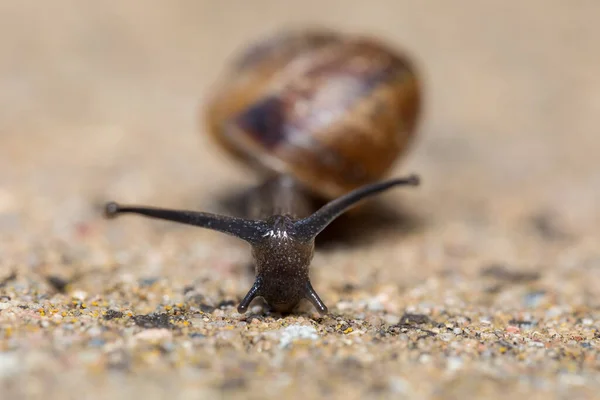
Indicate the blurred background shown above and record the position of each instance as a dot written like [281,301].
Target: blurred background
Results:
[103,100]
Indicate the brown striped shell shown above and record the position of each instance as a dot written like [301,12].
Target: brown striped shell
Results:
[331,110]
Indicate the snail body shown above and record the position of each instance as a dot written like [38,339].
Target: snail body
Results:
[308,110]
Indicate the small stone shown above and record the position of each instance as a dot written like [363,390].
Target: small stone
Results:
[197,321]
[218,312]
[292,333]
[79,295]
[446,337]
[226,304]
[206,308]
[154,334]
[391,318]
[512,329]
[153,321]
[112,314]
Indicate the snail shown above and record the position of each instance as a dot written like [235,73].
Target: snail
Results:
[316,113]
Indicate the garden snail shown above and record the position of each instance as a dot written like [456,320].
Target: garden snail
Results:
[311,111]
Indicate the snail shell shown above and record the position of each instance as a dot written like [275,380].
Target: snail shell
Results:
[331,110]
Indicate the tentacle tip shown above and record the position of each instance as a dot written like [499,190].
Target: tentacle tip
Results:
[242,309]
[111,209]
[414,180]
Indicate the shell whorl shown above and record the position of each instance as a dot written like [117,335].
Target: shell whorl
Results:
[331,110]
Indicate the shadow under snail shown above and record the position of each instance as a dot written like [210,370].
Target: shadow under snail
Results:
[314,112]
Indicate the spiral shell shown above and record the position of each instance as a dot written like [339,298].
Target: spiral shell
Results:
[334,111]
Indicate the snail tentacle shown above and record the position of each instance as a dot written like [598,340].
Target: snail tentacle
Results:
[309,227]
[246,229]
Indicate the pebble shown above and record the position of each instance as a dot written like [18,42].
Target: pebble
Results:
[512,329]
[446,337]
[291,333]
[79,295]
[154,334]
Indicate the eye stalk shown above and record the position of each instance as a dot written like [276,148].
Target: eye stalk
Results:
[282,260]
[249,230]
[308,228]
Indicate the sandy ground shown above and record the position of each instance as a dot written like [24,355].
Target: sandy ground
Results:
[483,284]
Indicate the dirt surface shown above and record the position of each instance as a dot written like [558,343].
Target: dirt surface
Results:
[483,282]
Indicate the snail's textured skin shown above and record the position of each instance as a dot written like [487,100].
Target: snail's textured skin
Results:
[282,265]
[333,111]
